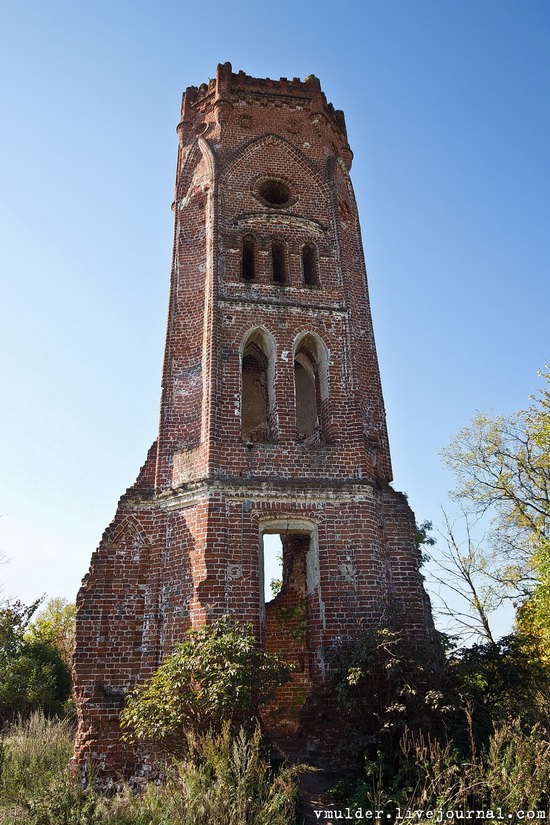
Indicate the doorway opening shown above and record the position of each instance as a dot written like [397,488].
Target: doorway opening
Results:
[285,620]
[273,566]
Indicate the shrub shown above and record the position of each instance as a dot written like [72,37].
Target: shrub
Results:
[385,684]
[471,734]
[503,681]
[217,674]
[512,774]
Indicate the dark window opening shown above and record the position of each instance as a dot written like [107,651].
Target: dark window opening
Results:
[279,262]
[248,260]
[308,397]
[254,411]
[274,192]
[309,265]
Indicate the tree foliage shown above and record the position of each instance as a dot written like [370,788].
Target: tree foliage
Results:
[33,674]
[502,681]
[217,674]
[54,625]
[502,467]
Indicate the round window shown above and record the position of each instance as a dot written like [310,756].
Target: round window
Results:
[274,192]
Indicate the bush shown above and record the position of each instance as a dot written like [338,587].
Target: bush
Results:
[469,733]
[217,674]
[501,682]
[513,773]
[385,684]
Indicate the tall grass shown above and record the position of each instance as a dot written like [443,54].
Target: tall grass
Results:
[33,752]
[227,780]
[512,773]
[517,768]
[224,780]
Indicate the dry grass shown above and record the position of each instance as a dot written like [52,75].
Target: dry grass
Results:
[224,780]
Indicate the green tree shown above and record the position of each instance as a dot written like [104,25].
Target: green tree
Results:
[218,674]
[55,625]
[14,620]
[502,467]
[33,676]
[501,682]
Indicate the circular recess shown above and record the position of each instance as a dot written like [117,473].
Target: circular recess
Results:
[274,192]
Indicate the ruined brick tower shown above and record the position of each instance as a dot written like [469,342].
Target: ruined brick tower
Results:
[272,419]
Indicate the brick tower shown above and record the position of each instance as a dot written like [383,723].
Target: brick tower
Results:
[272,419]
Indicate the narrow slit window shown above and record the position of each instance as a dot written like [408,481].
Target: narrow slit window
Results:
[249,258]
[279,262]
[309,265]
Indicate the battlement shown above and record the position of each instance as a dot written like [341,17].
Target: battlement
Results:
[228,86]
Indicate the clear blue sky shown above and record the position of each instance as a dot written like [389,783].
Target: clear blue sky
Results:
[447,104]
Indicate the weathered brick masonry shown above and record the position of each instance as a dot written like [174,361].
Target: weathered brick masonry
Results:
[272,419]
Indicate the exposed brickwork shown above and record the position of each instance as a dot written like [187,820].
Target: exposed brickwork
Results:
[262,172]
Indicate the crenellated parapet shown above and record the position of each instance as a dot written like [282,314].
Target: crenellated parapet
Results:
[222,99]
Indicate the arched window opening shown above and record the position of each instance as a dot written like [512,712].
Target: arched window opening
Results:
[278,254]
[249,258]
[254,417]
[311,387]
[308,396]
[309,265]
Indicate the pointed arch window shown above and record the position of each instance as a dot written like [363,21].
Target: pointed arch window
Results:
[309,265]
[257,388]
[310,386]
[248,263]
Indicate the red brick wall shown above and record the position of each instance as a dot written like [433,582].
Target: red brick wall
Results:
[185,545]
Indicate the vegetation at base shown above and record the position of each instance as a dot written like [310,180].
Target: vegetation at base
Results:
[467,731]
[225,779]
[384,684]
[33,753]
[511,773]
